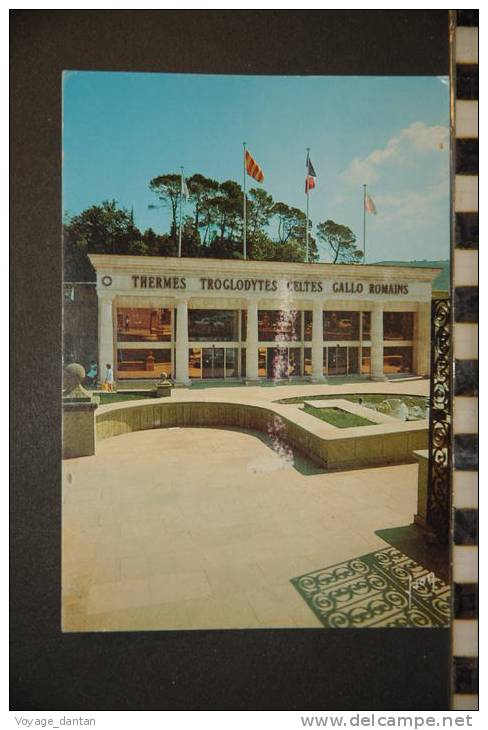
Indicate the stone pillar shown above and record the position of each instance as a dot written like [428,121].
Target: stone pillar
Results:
[79,431]
[252,340]
[317,344]
[181,370]
[106,344]
[377,343]
[422,340]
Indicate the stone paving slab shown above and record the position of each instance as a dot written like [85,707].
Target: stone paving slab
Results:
[152,543]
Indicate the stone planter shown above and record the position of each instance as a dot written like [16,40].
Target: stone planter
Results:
[163,389]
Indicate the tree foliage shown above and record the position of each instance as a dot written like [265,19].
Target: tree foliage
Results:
[212,226]
[101,228]
[340,241]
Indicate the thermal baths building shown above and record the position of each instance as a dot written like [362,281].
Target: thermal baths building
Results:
[206,318]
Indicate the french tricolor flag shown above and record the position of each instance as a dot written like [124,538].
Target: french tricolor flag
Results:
[311,175]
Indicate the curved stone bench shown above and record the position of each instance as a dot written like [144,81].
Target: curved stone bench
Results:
[330,447]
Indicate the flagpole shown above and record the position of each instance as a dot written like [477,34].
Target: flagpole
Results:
[244,212]
[181,204]
[364,224]
[307,191]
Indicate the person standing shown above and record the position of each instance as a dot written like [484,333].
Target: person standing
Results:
[109,378]
[92,374]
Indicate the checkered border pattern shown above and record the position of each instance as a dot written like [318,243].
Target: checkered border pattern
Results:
[464,116]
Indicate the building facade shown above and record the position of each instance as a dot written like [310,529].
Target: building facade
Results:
[195,319]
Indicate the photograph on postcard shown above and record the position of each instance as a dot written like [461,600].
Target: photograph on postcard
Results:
[256,296]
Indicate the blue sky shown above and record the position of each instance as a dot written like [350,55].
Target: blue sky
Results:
[122,129]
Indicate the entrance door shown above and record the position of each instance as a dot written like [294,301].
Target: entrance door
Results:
[337,360]
[213,362]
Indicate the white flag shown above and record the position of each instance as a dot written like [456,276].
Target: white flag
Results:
[184,189]
[369,204]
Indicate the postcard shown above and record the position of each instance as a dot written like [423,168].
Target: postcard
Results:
[256,282]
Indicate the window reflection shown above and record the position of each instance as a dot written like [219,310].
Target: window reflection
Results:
[143,363]
[307,325]
[262,362]
[352,360]
[397,360]
[398,325]
[136,324]
[213,325]
[366,361]
[274,324]
[195,363]
[366,325]
[341,326]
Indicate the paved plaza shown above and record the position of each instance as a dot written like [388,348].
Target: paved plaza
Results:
[193,528]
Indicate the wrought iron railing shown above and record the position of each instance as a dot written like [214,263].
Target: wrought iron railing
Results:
[440,420]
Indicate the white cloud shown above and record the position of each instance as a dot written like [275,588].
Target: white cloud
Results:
[414,209]
[417,139]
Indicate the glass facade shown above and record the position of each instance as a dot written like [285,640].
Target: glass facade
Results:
[213,325]
[143,325]
[143,363]
[274,324]
[398,325]
[278,357]
[341,326]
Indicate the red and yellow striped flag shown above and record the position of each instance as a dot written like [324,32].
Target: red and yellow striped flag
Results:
[253,169]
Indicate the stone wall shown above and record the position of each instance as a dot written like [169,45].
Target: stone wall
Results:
[329,447]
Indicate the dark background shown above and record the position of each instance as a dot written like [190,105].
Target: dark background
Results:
[276,669]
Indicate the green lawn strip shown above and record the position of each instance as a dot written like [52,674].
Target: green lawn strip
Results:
[337,417]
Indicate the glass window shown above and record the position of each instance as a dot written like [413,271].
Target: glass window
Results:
[195,363]
[307,325]
[243,363]
[307,361]
[337,360]
[274,324]
[231,362]
[143,325]
[243,325]
[366,325]
[212,325]
[353,360]
[366,361]
[398,325]
[341,326]
[295,362]
[262,362]
[397,360]
[143,363]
